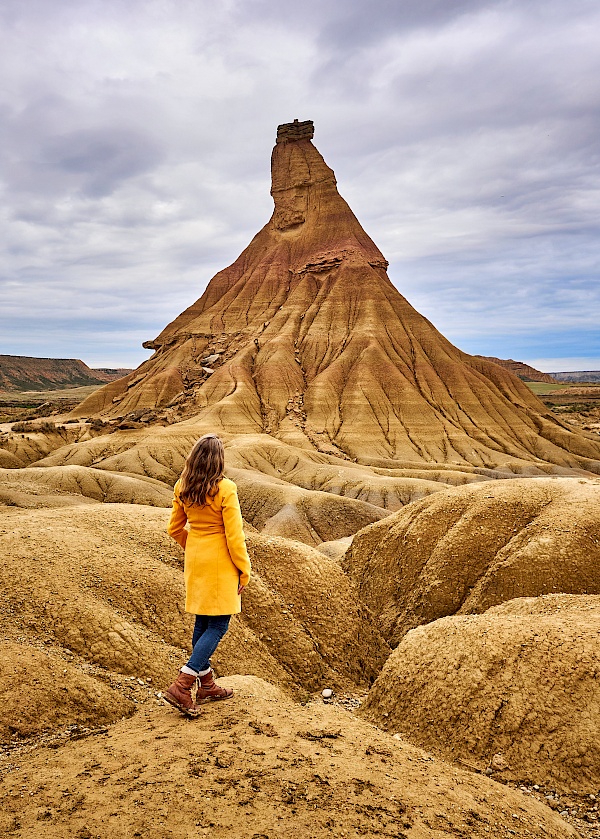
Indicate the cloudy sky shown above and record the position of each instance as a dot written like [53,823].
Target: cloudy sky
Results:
[136,139]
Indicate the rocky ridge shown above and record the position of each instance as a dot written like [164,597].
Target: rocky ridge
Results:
[525,372]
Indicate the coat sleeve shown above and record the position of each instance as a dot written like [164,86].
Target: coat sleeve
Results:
[178,520]
[234,533]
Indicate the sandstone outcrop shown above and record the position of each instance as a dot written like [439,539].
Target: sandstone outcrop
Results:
[466,549]
[520,681]
[310,342]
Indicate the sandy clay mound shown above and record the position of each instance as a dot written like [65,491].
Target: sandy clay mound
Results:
[60,486]
[466,549]
[277,508]
[520,681]
[42,690]
[24,448]
[387,484]
[104,582]
[270,505]
[257,766]
[298,494]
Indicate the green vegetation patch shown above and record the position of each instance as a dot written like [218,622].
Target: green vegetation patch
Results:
[542,388]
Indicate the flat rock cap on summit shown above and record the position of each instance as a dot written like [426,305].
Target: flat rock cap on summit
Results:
[291,131]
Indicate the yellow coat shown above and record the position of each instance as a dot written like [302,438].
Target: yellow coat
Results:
[216,559]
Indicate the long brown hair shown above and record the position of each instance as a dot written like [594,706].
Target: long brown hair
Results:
[202,471]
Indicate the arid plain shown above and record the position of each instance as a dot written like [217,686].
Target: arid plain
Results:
[425,538]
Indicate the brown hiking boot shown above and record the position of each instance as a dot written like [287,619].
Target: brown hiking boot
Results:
[209,690]
[180,695]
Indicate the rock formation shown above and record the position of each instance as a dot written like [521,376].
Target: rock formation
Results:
[339,406]
[466,549]
[520,680]
[305,338]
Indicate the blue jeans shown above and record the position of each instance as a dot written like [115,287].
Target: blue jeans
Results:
[208,631]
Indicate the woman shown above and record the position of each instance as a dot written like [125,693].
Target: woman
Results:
[217,566]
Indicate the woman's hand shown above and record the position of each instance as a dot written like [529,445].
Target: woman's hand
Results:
[241,588]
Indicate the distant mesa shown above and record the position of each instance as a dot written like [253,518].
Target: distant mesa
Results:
[22,373]
[524,371]
[304,338]
[578,376]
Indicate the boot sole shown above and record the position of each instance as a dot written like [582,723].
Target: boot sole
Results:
[188,712]
[213,699]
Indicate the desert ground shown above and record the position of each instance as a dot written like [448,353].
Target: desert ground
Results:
[425,540]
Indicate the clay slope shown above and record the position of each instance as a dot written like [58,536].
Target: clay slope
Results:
[257,766]
[270,505]
[160,453]
[277,508]
[472,687]
[19,449]
[67,485]
[305,338]
[57,692]
[307,496]
[464,550]
[103,583]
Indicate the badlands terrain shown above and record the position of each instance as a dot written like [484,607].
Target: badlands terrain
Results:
[425,538]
